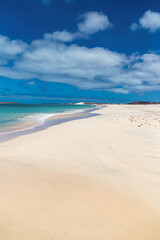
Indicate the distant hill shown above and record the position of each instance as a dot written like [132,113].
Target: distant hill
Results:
[143,102]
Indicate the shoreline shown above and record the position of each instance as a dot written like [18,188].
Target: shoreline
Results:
[92,178]
[56,119]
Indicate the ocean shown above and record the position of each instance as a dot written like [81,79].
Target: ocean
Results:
[16,117]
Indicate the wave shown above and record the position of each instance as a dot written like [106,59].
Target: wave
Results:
[36,119]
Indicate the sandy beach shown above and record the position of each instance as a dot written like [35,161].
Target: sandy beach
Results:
[95,178]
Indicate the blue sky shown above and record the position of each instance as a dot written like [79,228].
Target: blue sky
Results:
[76,50]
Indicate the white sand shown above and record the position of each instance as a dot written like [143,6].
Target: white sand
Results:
[88,179]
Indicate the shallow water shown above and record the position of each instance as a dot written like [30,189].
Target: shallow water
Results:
[14,117]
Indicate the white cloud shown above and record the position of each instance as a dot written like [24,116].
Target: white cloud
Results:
[149,21]
[82,67]
[92,22]
[51,59]
[61,36]
[10,49]
[134,27]
[120,90]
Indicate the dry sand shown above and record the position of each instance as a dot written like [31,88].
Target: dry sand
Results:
[88,179]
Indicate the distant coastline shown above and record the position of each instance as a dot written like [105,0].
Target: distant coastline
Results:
[9,103]
[88,103]
[132,103]
[143,103]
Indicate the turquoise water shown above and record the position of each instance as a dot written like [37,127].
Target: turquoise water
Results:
[15,117]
